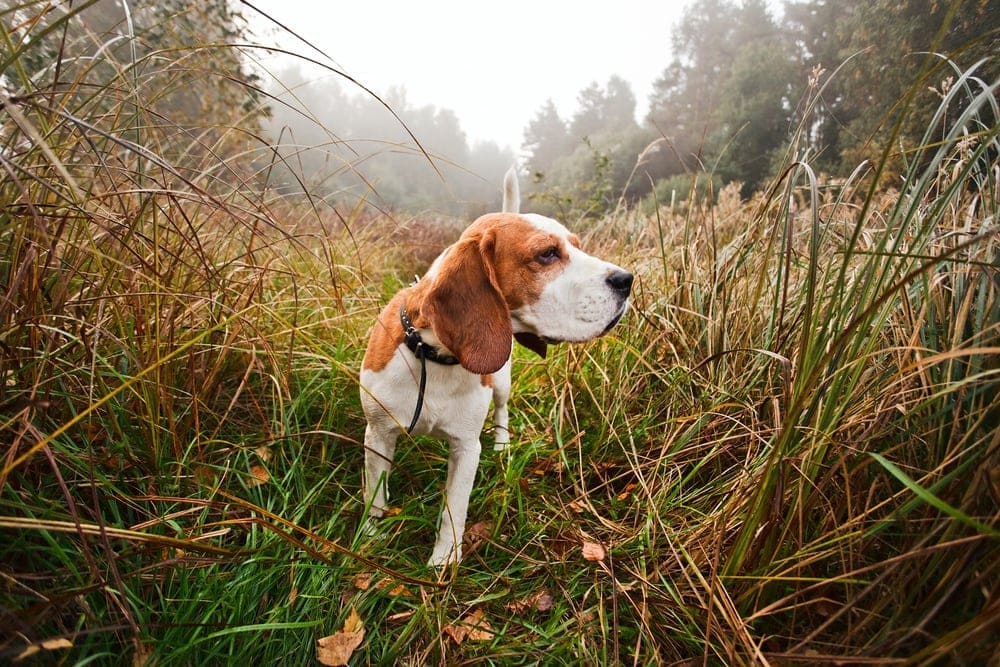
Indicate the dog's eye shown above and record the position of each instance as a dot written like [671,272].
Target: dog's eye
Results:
[548,255]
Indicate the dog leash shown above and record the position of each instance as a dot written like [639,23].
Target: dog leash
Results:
[423,352]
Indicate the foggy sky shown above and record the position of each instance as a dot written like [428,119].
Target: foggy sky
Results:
[494,65]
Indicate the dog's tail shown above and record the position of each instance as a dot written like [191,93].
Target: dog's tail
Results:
[511,192]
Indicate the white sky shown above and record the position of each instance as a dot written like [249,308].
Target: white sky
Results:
[493,63]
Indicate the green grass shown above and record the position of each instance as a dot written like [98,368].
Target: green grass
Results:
[788,448]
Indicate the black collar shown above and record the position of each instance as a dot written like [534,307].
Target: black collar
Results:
[417,345]
[423,352]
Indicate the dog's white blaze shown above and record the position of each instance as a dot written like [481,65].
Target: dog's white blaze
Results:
[576,305]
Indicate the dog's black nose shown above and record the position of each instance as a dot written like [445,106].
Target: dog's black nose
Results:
[620,281]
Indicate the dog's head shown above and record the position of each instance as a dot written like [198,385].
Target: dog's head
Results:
[525,276]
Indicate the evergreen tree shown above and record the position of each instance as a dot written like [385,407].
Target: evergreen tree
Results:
[754,115]
[546,138]
[189,101]
[723,100]
[895,37]
[880,47]
[816,27]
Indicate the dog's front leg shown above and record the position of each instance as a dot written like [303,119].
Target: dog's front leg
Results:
[501,418]
[463,459]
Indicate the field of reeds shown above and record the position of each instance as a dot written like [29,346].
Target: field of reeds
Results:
[788,452]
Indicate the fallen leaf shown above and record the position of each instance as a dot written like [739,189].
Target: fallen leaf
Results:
[260,476]
[593,551]
[577,506]
[399,590]
[456,632]
[473,627]
[627,492]
[538,601]
[363,580]
[353,623]
[543,601]
[47,645]
[482,633]
[338,647]
[476,534]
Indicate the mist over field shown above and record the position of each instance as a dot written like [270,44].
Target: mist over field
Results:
[749,87]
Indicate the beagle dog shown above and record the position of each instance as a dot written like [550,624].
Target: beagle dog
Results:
[441,348]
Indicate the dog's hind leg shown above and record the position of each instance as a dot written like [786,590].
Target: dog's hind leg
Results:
[379,450]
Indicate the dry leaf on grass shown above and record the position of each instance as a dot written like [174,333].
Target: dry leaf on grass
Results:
[338,647]
[363,580]
[593,551]
[476,534]
[629,488]
[260,476]
[473,628]
[46,645]
[577,506]
[396,590]
[540,601]
[401,616]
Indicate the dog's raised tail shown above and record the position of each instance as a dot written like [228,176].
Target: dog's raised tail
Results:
[511,192]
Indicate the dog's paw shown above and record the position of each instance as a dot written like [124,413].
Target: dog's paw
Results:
[443,557]
[501,439]
[370,527]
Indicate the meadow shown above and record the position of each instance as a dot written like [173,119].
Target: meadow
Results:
[787,452]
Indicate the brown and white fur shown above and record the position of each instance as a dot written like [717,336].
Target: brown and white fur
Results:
[508,276]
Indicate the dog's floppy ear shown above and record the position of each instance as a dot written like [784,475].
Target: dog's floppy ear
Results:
[466,309]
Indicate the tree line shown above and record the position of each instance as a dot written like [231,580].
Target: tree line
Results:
[348,145]
[193,96]
[748,91]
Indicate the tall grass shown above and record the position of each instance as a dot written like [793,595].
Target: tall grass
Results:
[788,450]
